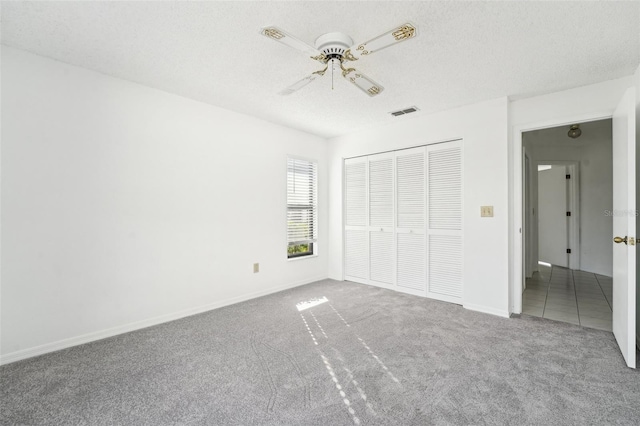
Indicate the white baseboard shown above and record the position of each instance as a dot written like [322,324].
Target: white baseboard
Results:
[486,310]
[102,334]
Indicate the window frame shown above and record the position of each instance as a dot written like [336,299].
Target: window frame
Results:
[313,252]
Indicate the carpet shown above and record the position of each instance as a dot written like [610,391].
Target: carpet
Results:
[355,354]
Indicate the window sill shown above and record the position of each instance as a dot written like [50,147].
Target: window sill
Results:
[292,259]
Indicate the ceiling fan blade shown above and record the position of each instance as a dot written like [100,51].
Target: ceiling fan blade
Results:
[301,83]
[284,37]
[362,82]
[399,34]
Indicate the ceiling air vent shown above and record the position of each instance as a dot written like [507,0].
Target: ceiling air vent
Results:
[404,111]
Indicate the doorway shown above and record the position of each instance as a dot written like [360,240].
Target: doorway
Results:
[625,193]
[568,193]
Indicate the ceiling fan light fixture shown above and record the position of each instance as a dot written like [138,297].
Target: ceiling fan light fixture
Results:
[333,45]
[333,49]
[574,131]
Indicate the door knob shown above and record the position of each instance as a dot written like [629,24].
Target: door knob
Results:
[619,240]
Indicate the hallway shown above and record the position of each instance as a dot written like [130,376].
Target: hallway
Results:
[576,297]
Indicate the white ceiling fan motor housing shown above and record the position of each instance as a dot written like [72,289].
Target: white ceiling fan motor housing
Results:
[333,45]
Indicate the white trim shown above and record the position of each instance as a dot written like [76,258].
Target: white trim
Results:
[527,215]
[343,215]
[411,291]
[393,287]
[286,204]
[114,331]
[486,310]
[308,256]
[420,145]
[448,299]
[517,261]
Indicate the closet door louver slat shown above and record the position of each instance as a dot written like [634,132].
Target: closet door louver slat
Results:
[381,252]
[411,259]
[356,256]
[356,235]
[445,267]
[356,193]
[381,241]
[444,189]
[381,192]
[410,188]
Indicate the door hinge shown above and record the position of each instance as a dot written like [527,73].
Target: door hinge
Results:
[568,213]
[568,251]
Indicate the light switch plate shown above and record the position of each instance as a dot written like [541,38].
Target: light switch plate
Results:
[486,211]
[256,268]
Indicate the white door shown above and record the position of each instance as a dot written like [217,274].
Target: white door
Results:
[356,235]
[552,216]
[444,221]
[381,226]
[624,226]
[411,253]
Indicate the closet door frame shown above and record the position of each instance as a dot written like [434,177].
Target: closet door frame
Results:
[426,233]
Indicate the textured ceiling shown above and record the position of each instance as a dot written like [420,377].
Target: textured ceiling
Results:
[465,52]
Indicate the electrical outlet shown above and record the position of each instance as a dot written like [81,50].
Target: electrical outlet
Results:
[486,211]
[256,268]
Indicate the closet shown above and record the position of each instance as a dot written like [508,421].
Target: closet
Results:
[403,220]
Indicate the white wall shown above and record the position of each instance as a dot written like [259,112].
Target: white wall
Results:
[569,104]
[124,206]
[554,109]
[483,128]
[596,197]
[116,199]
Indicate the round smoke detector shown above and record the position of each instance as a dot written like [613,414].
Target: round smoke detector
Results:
[333,45]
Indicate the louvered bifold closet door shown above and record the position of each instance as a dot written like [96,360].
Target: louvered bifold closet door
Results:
[410,221]
[381,219]
[356,233]
[444,223]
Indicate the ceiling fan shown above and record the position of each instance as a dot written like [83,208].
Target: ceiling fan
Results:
[335,49]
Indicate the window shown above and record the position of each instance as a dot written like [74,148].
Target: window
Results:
[302,207]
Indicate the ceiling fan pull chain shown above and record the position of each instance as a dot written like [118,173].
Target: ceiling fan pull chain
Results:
[333,68]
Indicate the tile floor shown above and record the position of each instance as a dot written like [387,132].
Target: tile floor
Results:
[576,297]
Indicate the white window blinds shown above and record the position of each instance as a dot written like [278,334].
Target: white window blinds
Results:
[302,206]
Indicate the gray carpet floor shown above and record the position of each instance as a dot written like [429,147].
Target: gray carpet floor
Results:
[366,356]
